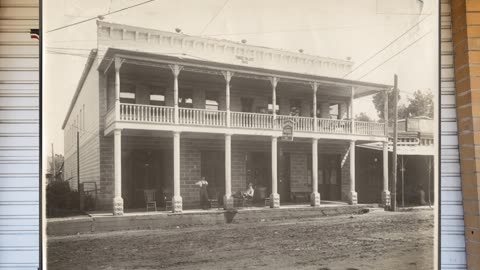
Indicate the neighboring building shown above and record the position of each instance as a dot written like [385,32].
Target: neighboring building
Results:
[159,110]
[415,164]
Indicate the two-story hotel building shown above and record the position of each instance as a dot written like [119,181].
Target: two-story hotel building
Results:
[159,110]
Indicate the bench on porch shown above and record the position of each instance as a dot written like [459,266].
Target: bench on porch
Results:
[300,196]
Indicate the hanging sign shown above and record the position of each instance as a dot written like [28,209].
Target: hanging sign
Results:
[287,130]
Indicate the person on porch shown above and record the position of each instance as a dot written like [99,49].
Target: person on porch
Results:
[247,194]
[203,184]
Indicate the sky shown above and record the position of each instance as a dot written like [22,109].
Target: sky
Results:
[360,30]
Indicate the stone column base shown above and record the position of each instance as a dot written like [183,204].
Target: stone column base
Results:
[228,202]
[118,206]
[352,198]
[386,198]
[274,200]
[315,199]
[177,204]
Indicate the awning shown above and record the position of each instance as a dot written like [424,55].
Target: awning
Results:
[403,150]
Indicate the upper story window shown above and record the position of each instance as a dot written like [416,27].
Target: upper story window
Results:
[157,97]
[211,100]
[270,106]
[295,107]
[185,99]
[127,97]
[247,104]
[334,111]
[128,94]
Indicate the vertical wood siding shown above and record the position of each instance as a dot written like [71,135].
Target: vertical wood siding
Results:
[451,225]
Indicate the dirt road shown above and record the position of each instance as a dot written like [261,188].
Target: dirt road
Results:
[378,240]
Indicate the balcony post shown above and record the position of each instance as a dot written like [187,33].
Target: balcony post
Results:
[228,77]
[274,197]
[228,199]
[385,192]
[177,199]
[117,152]
[176,71]
[274,82]
[315,197]
[315,87]
[352,198]
[352,114]
[385,112]
[118,65]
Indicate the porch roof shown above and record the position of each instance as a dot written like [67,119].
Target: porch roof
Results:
[204,65]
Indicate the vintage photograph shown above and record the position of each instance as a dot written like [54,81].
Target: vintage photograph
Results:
[228,134]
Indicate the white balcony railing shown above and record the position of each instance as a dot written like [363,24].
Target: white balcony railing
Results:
[189,116]
[146,113]
[251,120]
[202,117]
[369,128]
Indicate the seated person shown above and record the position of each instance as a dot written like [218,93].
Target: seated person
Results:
[247,194]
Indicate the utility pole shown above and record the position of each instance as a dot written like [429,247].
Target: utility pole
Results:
[53,165]
[78,161]
[403,182]
[395,137]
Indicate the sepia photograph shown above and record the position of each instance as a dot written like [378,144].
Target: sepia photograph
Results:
[228,134]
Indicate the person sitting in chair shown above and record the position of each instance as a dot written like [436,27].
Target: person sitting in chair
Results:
[247,194]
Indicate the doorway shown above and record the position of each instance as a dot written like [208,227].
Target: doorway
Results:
[213,169]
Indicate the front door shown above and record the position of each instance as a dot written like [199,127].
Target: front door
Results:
[213,169]
[284,177]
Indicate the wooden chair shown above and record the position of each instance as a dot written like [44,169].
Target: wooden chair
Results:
[267,201]
[213,200]
[168,201]
[150,199]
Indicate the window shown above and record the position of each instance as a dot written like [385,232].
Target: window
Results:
[270,106]
[211,101]
[334,111]
[247,104]
[185,99]
[127,97]
[295,107]
[157,99]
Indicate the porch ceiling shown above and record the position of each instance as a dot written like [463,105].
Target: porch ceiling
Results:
[326,85]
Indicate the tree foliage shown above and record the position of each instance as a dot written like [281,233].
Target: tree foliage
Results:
[363,117]
[420,105]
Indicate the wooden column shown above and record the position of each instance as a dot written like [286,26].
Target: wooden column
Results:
[228,199]
[351,110]
[385,192]
[228,77]
[274,82]
[117,200]
[118,65]
[315,197]
[176,72]
[315,87]
[353,194]
[177,199]
[274,197]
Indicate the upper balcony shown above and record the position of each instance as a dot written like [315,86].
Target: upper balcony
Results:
[191,118]
[167,93]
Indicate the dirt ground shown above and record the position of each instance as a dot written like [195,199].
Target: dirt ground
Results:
[377,240]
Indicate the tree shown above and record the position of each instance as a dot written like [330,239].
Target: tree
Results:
[421,104]
[378,102]
[363,117]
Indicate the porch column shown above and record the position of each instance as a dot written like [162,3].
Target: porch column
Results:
[118,200]
[315,197]
[351,110]
[315,87]
[118,65]
[352,198]
[385,192]
[274,82]
[228,77]
[176,71]
[274,197]
[228,199]
[177,199]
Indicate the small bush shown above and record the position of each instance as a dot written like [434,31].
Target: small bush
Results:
[61,200]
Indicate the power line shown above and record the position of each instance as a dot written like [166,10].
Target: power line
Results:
[388,45]
[99,16]
[409,45]
[215,16]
